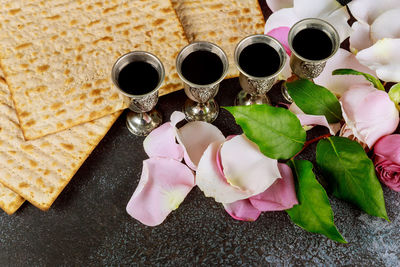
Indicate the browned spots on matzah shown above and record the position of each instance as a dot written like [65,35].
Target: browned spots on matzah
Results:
[14,11]
[56,106]
[33,163]
[23,185]
[158,22]
[55,17]
[22,46]
[98,101]
[43,68]
[25,114]
[27,147]
[68,146]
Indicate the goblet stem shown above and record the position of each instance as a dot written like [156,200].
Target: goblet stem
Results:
[142,124]
[196,111]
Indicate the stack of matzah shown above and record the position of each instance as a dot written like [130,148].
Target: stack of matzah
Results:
[56,97]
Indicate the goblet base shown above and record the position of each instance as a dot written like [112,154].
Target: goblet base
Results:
[285,93]
[195,111]
[246,99]
[141,124]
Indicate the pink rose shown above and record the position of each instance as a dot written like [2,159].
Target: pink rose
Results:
[387,161]
[369,114]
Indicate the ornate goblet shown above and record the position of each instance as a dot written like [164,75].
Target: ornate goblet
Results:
[303,63]
[201,66]
[256,83]
[142,117]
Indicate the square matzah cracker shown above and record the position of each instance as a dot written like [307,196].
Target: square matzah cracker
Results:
[9,200]
[38,170]
[223,22]
[57,55]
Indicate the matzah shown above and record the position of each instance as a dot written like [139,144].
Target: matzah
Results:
[57,55]
[9,200]
[38,170]
[221,22]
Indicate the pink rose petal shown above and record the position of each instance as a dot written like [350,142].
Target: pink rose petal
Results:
[242,210]
[360,37]
[161,141]
[163,186]
[285,17]
[388,148]
[212,182]
[368,10]
[195,138]
[385,25]
[313,120]
[275,5]
[280,196]
[369,113]
[384,58]
[281,34]
[245,167]
[338,84]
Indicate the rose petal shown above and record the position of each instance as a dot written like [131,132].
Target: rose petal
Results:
[360,38]
[282,18]
[275,5]
[163,186]
[245,167]
[313,120]
[195,138]
[368,10]
[280,196]
[161,141]
[309,121]
[384,58]
[212,182]
[386,25]
[242,210]
[329,10]
[281,34]
[388,148]
[369,113]
[338,84]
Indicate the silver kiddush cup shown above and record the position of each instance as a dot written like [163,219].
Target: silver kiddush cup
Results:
[201,105]
[307,68]
[255,88]
[142,118]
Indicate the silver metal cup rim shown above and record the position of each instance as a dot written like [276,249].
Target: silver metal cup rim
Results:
[224,72]
[154,57]
[323,22]
[236,56]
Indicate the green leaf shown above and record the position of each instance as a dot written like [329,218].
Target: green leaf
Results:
[350,174]
[394,95]
[276,131]
[314,213]
[375,81]
[315,100]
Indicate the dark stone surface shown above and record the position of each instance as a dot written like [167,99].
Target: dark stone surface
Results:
[88,225]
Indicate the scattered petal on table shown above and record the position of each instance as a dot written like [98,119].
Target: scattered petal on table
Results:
[386,25]
[161,141]
[212,182]
[338,84]
[360,38]
[163,186]
[368,10]
[242,210]
[313,120]
[281,34]
[246,168]
[330,10]
[369,113]
[275,5]
[384,58]
[282,18]
[195,138]
[280,196]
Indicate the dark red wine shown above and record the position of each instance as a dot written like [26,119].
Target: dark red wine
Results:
[259,60]
[202,67]
[138,78]
[312,44]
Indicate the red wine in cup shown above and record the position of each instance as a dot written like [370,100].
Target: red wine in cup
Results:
[138,78]
[202,67]
[259,60]
[312,44]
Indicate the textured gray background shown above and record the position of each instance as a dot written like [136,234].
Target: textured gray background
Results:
[88,225]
